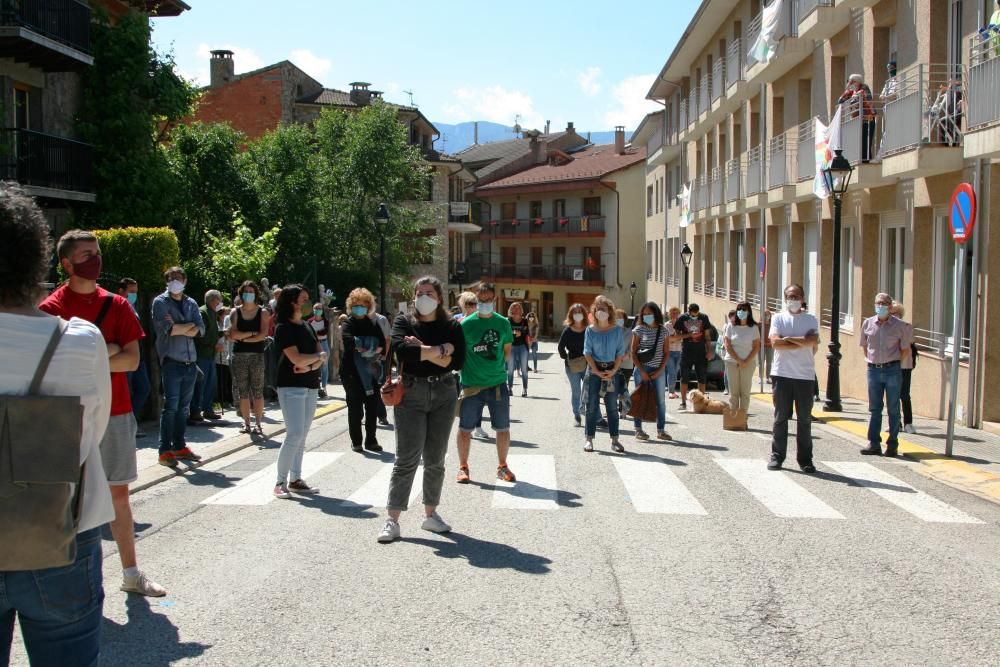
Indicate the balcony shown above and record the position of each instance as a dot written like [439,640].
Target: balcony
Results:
[715,187]
[705,94]
[806,162]
[465,272]
[51,35]
[819,20]
[754,178]
[923,123]
[682,110]
[699,197]
[782,168]
[735,63]
[718,80]
[579,226]
[546,275]
[789,50]
[983,103]
[734,175]
[47,165]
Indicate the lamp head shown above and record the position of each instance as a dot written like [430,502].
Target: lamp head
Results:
[686,254]
[838,174]
[382,215]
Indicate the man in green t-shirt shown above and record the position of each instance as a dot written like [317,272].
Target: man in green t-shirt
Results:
[488,338]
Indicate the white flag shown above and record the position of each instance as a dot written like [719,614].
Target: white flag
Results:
[765,46]
[685,219]
[827,141]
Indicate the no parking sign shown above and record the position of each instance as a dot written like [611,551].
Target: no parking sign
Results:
[962,214]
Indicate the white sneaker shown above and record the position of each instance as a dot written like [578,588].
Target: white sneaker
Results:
[909,428]
[480,433]
[389,532]
[435,524]
[588,445]
[281,491]
[143,586]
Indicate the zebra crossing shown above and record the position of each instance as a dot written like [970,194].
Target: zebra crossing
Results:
[651,487]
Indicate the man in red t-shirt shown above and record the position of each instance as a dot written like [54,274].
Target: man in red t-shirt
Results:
[81,296]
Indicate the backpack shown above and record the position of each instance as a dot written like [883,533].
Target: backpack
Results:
[41,479]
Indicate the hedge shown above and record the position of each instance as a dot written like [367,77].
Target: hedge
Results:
[143,253]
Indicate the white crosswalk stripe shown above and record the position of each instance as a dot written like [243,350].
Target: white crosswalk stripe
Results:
[776,490]
[375,491]
[536,487]
[256,488]
[901,494]
[654,488]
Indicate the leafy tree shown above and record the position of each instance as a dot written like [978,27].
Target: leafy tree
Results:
[238,256]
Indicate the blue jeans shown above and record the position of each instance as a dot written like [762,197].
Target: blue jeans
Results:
[204,389]
[178,388]
[138,385]
[575,389]
[594,406]
[298,407]
[324,371]
[661,405]
[673,367]
[884,385]
[518,359]
[59,608]
[534,354]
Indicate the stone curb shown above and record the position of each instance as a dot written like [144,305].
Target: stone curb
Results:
[156,474]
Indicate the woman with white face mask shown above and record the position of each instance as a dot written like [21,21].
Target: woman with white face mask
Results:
[429,346]
[741,339]
[571,352]
[604,349]
[650,349]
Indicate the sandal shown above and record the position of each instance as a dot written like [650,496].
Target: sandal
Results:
[245,428]
[257,430]
[617,447]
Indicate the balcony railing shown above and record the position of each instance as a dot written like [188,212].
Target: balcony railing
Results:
[984,79]
[855,120]
[65,21]
[928,109]
[693,109]
[682,110]
[560,273]
[718,79]
[705,93]
[43,160]
[807,150]
[734,62]
[755,157]
[733,176]
[715,186]
[753,30]
[700,194]
[781,168]
[471,269]
[655,141]
[549,227]
[807,7]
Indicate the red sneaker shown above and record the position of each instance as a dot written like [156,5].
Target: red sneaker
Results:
[186,454]
[168,459]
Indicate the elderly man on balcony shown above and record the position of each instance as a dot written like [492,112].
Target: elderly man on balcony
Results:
[860,94]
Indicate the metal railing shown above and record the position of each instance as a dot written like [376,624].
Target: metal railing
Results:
[846,319]
[701,194]
[698,287]
[755,157]
[43,160]
[734,173]
[853,124]
[984,78]
[928,109]
[682,112]
[655,141]
[781,159]
[715,186]
[66,21]
[774,305]
[734,63]
[705,93]
[528,227]
[558,272]
[718,79]
[753,31]
[940,344]
[753,300]
[693,109]
[472,266]
[806,161]
[807,7]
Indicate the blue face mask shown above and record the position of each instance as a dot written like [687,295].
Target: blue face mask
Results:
[248,297]
[741,315]
[620,323]
[882,311]
[359,311]
[132,296]
[485,307]
[648,319]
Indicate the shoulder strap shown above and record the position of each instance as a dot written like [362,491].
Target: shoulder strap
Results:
[105,307]
[50,349]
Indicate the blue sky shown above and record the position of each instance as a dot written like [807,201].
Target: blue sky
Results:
[587,62]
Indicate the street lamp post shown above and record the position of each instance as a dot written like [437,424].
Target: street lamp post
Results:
[838,177]
[686,254]
[631,290]
[381,222]
[460,275]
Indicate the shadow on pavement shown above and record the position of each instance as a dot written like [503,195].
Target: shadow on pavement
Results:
[652,458]
[480,553]
[154,632]
[529,490]
[834,477]
[523,445]
[201,477]
[336,507]
[697,445]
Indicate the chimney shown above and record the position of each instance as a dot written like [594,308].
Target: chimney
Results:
[475,133]
[619,139]
[570,128]
[222,68]
[548,124]
[360,94]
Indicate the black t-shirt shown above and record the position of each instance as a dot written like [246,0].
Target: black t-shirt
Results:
[289,334]
[437,332]
[520,331]
[697,326]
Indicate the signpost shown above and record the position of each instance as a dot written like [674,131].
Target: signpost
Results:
[761,272]
[962,217]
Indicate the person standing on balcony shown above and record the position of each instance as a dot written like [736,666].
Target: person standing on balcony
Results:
[519,349]
[886,341]
[571,352]
[860,95]
[890,92]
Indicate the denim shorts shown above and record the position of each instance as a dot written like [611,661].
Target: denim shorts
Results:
[497,399]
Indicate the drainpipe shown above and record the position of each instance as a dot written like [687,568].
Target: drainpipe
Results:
[618,234]
[974,409]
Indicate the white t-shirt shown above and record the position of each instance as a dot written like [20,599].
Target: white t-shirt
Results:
[741,338]
[79,367]
[797,363]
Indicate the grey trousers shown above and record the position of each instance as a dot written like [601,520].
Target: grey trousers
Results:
[423,429]
[787,392]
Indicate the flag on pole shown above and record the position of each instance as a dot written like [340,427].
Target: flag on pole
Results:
[685,219]
[764,48]
[827,141]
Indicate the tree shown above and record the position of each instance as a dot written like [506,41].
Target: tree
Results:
[238,256]
[128,96]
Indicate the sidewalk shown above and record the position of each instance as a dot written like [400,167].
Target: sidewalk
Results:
[974,466]
[213,440]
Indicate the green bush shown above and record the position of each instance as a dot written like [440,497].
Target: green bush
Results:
[143,253]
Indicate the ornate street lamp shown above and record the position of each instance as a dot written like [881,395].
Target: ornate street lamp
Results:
[381,223]
[838,177]
[631,290]
[686,254]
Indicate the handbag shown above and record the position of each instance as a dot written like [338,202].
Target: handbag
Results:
[393,390]
[643,405]
[577,364]
[647,354]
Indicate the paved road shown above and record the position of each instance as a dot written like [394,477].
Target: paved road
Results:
[683,553]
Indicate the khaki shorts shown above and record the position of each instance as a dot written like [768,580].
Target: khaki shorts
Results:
[118,450]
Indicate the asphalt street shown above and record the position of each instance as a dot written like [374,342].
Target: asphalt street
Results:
[680,553]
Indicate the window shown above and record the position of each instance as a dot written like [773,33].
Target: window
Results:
[558,208]
[670,189]
[508,210]
[946,291]
[591,205]
[560,256]
[535,209]
[429,188]
[737,264]
[649,260]
[893,44]
[649,200]
[847,277]
[891,264]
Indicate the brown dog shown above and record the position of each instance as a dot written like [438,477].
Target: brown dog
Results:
[703,405]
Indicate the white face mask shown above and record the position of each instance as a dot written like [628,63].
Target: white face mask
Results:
[219,306]
[578,317]
[426,304]
[485,307]
[601,315]
[175,286]
[793,305]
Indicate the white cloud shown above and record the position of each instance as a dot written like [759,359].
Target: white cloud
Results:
[245,60]
[496,104]
[313,65]
[198,77]
[631,104]
[588,81]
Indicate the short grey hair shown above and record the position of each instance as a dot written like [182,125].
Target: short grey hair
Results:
[882,296]
[856,77]
[212,294]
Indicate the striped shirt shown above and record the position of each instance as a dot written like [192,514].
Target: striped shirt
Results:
[647,339]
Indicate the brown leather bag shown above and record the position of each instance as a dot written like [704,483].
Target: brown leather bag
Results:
[41,479]
[392,390]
